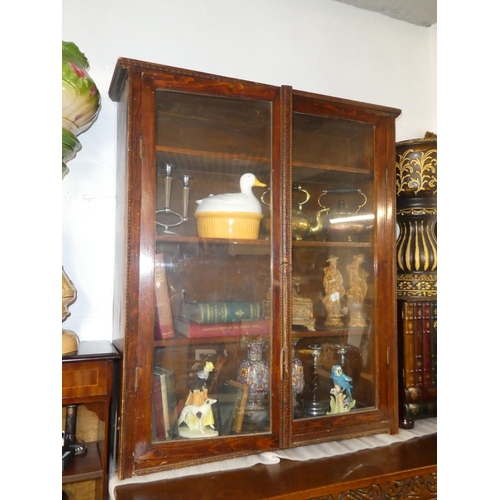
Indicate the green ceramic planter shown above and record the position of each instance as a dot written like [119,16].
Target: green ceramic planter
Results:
[81,101]
[70,146]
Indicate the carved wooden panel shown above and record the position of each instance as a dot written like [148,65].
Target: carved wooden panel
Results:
[418,487]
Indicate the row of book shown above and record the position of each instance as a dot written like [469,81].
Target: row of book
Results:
[203,319]
[417,325]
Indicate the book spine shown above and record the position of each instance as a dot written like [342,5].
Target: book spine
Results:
[222,312]
[420,410]
[420,394]
[172,405]
[158,409]
[408,344]
[201,330]
[434,344]
[240,412]
[419,365]
[426,343]
[164,324]
[166,418]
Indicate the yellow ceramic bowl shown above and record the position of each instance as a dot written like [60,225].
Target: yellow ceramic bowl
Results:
[237,225]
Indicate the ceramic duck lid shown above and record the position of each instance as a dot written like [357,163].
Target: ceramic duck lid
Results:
[245,201]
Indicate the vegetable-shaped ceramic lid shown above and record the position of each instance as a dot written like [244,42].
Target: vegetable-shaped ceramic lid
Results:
[234,202]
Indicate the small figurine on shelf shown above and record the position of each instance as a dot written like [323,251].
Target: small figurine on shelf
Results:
[334,291]
[200,414]
[341,400]
[231,215]
[197,413]
[356,292]
[302,308]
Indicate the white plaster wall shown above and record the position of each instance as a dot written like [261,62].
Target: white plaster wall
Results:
[315,45]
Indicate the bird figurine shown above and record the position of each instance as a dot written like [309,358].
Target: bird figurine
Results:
[342,380]
[234,202]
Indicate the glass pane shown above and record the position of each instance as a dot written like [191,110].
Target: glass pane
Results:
[212,326]
[333,266]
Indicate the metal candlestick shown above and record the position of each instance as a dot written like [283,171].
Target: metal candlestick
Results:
[342,349]
[313,405]
[168,194]
[70,431]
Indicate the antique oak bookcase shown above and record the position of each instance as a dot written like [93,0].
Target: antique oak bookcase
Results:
[243,319]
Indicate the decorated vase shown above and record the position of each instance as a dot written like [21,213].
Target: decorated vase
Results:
[81,100]
[254,372]
[297,374]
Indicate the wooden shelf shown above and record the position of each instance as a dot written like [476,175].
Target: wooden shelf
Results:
[84,467]
[194,240]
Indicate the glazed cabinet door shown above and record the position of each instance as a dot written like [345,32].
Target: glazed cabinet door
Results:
[255,285]
[201,355]
[342,343]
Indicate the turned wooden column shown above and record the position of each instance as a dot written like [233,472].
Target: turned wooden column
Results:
[416,216]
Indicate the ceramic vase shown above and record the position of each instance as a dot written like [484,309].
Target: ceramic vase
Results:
[81,100]
[254,372]
[297,375]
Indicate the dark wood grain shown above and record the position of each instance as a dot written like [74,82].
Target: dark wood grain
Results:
[216,128]
[87,379]
[401,470]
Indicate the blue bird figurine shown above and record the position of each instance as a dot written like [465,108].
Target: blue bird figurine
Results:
[342,380]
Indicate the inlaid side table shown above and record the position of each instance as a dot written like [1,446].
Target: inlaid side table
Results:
[88,378]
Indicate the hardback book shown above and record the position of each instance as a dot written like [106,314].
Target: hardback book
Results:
[408,337]
[195,330]
[220,312]
[164,324]
[240,409]
[158,409]
[169,401]
[434,343]
[420,410]
[230,409]
[426,343]
[420,394]
[419,344]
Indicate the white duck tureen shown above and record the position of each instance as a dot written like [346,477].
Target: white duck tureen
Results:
[234,202]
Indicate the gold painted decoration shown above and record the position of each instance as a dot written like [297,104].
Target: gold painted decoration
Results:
[416,216]
[416,171]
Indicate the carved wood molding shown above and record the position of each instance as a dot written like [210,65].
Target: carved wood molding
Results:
[417,487]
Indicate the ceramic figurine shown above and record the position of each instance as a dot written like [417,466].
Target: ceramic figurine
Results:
[245,201]
[342,380]
[356,292]
[205,373]
[341,400]
[197,413]
[334,291]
